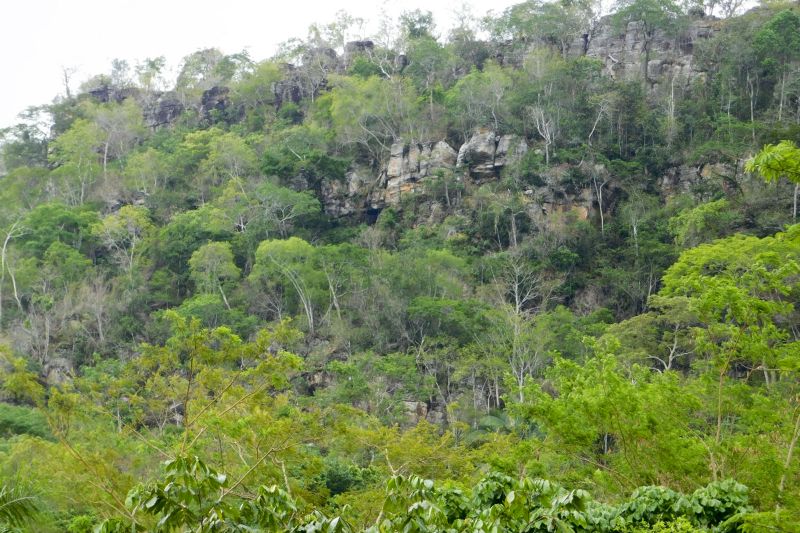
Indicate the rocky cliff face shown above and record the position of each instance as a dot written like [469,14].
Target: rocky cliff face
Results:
[659,58]
[409,164]
[162,109]
[481,158]
[486,153]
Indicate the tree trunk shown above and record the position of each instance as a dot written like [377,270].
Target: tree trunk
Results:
[752,112]
[224,298]
[599,191]
[787,463]
[3,272]
[513,230]
[105,160]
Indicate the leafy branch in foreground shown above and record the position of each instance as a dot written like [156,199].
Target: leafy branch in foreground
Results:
[776,161]
[191,496]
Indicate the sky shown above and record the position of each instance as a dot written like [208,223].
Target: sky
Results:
[41,38]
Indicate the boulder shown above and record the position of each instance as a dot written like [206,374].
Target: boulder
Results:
[654,69]
[394,167]
[477,154]
[442,156]
[701,181]
[678,180]
[321,56]
[58,370]
[415,411]
[486,152]
[510,148]
[290,88]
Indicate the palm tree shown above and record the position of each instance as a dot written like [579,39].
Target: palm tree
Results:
[16,508]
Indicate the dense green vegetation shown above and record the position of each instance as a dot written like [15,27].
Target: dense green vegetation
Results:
[587,339]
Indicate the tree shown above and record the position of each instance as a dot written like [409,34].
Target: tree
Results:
[702,223]
[776,161]
[75,155]
[204,69]
[211,266]
[148,73]
[185,233]
[255,92]
[293,261]
[345,27]
[373,113]
[280,207]
[479,100]
[552,23]
[778,43]
[417,24]
[55,222]
[148,171]
[121,126]
[229,157]
[14,230]
[739,289]
[546,126]
[429,64]
[123,232]
[24,144]
[522,294]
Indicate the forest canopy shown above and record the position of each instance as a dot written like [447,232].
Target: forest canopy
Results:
[537,272]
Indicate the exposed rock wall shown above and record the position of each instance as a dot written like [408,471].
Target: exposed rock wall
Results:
[660,60]
[163,109]
[700,180]
[633,54]
[409,164]
[481,158]
[486,153]
[359,191]
[557,194]
[214,100]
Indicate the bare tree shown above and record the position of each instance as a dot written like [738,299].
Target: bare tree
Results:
[598,182]
[546,125]
[66,76]
[523,293]
[15,230]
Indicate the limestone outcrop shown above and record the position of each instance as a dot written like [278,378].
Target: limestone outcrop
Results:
[697,180]
[214,100]
[558,194]
[410,163]
[658,58]
[357,192]
[486,153]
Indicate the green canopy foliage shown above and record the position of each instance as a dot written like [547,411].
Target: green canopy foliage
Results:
[509,276]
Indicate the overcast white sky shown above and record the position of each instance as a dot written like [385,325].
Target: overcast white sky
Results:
[39,37]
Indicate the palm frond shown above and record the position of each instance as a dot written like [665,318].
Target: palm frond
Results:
[16,507]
